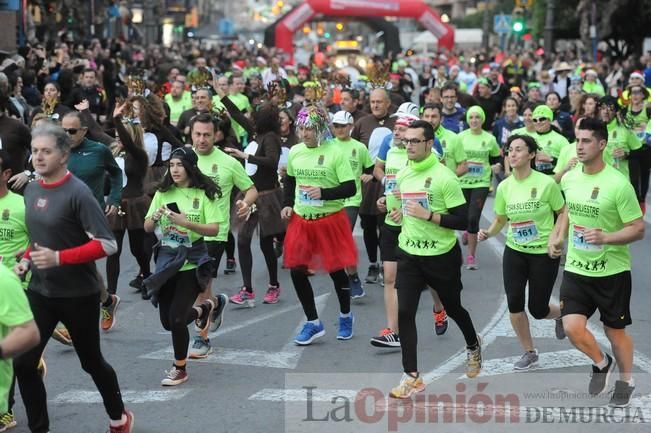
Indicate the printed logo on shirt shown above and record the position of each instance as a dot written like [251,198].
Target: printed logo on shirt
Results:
[354,153]
[428,182]
[595,193]
[195,203]
[86,153]
[443,144]
[213,169]
[5,215]
[41,203]
[615,134]
[534,193]
[483,144]
[321,159]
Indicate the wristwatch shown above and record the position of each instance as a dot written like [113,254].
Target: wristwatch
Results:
[27,173]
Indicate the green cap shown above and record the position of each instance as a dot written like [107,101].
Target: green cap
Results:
[533,85]
[543,111]
[476,109]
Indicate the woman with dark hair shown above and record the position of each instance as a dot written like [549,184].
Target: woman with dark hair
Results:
[287,132]
[130,155]
[587,106]
[51,104]
[562,119]
[262,166]
[182,212]
[527,200]
[511,120]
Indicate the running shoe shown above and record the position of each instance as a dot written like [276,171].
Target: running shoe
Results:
[409,386]
[527,361]
[109,314]
[217,316]
[278,248]
[356,288]
[174,377]
[136,283]
[600,377]
[309,333]
[345,327]
[471,263]
[272,295]
[7,421]
[474,360]
[127,427]
[200,349]
[42,369]
[559,330]
[387,338]
[464,238]
[244,297]
[207,308]
[440,321]
[62,335]
[230,266]
[621,395]
[373,274]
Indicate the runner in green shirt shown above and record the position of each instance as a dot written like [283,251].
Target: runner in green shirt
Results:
[527,200]
[178,100]
[432,207]
[18,331]
[236,86]
[549,141]
[182,212]
[227,173]
[602,218]
[483,160]
[621,140]
[362,168]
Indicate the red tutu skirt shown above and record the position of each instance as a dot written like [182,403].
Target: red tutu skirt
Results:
[321,244]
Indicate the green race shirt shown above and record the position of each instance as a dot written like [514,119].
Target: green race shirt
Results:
[226,172]
[13,231]
[14,311]
[605,200]
[178,107]
[523,131]
[197,207]
[241,102]
[453,152]
[639,122]
[619,137]
[529,206]
[324,166]
[551,143]
[396,161]
[436,188]
[479,148]
[359,159]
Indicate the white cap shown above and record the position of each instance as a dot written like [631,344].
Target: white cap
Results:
[343,118]
[407,109]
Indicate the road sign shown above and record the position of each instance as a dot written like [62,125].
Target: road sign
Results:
[502,23]
[527,4]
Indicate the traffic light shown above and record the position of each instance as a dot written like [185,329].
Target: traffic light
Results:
[518,23]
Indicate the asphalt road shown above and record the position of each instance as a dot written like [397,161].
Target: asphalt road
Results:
[259,381]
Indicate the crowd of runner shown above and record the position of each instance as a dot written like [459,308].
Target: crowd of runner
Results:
[194,155]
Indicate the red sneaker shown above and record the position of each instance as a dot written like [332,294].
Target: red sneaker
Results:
[127,427]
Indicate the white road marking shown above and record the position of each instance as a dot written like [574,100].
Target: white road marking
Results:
[297,395]
[81,396]
[546,361]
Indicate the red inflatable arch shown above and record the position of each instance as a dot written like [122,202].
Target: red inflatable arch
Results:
[362,8]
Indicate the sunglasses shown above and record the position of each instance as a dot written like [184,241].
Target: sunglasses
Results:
[338,125]
[72,131]
[540,120]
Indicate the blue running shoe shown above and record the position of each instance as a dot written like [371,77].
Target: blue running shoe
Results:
[309,333]
[356,288]
[345,328]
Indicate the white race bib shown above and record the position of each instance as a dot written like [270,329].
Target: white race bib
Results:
[578,237]
[524,232]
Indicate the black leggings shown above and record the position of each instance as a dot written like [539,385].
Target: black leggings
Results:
[475,197]
[246,259]
[539,270]
[230,247]
[176,298]
[443,274]
[639,168]
[371,226]
[79,315]
[306,294]
[137,247]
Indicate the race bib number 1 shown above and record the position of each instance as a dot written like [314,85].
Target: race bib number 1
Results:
[578,237]
[524,232]
[419,197]
[305,199]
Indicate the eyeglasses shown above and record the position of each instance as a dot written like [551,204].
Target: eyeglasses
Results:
[539,120]
[413,141]
[636,92]
[338,125]
[72,131]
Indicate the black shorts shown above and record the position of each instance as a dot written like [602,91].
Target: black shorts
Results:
[442,273]
[389,242]
[611,295]
[216,250]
